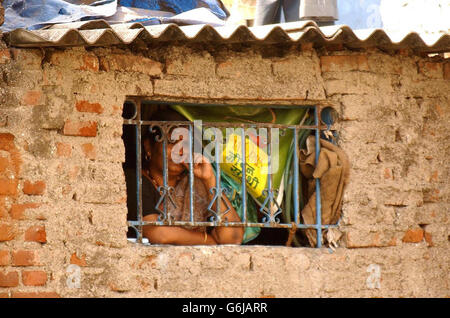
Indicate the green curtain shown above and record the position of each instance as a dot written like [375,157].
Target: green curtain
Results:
[249,115]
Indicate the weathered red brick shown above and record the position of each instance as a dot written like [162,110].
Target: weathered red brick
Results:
[387,173]
[24,258]
[130,63]
[4,164]
[32,98]
[344,63]
[5,56]
[116,110]
[6,141]
[35,295]
[335,47]
[3,210]
[267,296]
[431,195]
[34,188]
[86,107]
[36,234]
[434,177]
[447,71]
[28,59]
[74,259]
[7,232]
[76,60]
[5,258]
[89,150]
[428,238]
[228,69]
[90,63]
[73,173]
[8,186]
[63,149]
[413,236]
[34,278]
[361,239]
[80,128]
[392,242]
[18,210]
[405,52]
[7,144]
[307,46]
[440,111]
[66,189]
[431,69]
[10,279]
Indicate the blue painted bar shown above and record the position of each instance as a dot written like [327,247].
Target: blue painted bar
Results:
[166,185]
[191,175]
[244,177]
[139,169]
[269,177]
[296,178]
[236,224]
[218,187]
[220,124]
[318,200]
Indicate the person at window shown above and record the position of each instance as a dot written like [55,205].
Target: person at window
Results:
[178,179]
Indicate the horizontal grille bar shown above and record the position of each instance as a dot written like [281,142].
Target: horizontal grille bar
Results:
[232,224]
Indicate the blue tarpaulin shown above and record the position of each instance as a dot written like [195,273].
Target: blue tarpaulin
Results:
[36,14]
[178,6]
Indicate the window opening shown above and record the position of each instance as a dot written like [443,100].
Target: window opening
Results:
[270,204]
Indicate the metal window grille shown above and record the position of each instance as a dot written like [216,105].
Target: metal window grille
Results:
[270,209]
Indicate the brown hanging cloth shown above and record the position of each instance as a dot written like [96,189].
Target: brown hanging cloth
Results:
[333,169]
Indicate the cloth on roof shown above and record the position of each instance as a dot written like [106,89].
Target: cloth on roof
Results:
[333,169]
[269,11]
[178,6]
[37,14]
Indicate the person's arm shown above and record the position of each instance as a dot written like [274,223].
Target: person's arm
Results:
[174,234]
[222,234]
[180,236]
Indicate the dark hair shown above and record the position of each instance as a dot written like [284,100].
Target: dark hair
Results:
[165,114]
[153,132]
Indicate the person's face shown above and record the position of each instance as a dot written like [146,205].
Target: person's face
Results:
[156,149]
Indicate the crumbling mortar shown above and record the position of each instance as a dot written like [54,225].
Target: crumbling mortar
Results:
[45,57]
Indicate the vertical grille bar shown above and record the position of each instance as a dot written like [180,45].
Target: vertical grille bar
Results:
[218,187]
[165,177]
[318,202]
[269,176]
[139,167]
[244,177]
[191,174]
[296,178]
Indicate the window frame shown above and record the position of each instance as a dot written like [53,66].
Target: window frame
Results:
[272,222]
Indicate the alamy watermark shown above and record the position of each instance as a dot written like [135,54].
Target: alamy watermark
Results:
[374,279]
[74,276]
[228,148]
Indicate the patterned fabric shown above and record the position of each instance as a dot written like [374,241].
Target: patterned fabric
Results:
[181,198]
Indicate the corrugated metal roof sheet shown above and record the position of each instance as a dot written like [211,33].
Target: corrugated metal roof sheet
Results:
[100,33]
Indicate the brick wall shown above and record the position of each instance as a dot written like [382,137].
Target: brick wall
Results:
[63,195]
